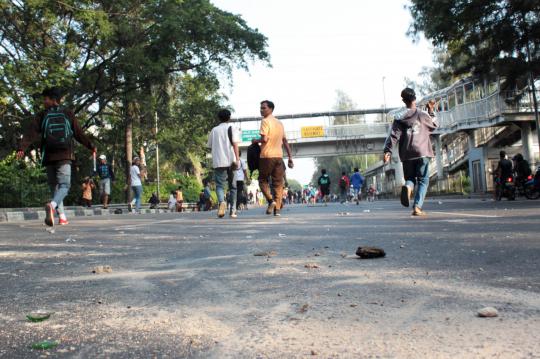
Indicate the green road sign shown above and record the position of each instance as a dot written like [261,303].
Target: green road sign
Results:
[249,135]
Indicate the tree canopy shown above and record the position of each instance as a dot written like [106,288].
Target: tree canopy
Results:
[484,38]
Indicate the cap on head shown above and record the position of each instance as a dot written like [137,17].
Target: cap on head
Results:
[408,95]
[103,157]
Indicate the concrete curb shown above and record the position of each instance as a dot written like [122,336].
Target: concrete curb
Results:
[30,214]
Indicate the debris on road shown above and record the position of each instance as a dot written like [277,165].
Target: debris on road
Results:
[311,266]
[45,345]
[38,316]
[488,312]
[366,211]
[303,308]
[313,352]
[343,213]
[102,269]
[370,252]
[343,255]
[266,254]
[70,240]
[282,235]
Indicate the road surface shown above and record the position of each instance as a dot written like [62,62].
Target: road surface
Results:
[190,285]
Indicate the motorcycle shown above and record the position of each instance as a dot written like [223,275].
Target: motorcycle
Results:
[505,188]
[531,187]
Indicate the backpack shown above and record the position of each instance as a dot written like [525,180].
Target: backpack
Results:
[253,156]
[56,130]
[323,181]
[342,183]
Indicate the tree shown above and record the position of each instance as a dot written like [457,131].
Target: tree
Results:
[484,38]
[294,185]
[122,62]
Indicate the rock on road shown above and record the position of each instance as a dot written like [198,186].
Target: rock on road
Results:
[190,285]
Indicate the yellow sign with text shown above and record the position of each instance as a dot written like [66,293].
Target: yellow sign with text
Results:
[312,131]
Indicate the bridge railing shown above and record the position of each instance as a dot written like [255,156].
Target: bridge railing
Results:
[366,130]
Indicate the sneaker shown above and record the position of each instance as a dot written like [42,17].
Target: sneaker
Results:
[222,209]
[277,213]
[49,215]
[271,208]
[130,207]
[405,195]
[417,211]
[234,215]
[63,222]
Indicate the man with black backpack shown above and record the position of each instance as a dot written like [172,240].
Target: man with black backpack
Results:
[57,127]
[223,141]
[324,186]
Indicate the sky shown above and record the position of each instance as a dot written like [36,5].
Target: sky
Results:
[320,46]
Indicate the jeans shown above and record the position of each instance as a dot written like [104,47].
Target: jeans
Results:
[417,172]
[272,168]
[222,175]
[137,192]
[59,179]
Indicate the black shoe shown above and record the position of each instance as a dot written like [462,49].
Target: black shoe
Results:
[405,196]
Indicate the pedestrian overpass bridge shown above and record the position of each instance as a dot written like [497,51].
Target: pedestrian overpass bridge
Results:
[473,118]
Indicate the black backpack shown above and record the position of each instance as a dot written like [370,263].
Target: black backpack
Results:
[56,130]
[253,157]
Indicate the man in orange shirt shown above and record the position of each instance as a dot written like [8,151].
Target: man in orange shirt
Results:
[271,163]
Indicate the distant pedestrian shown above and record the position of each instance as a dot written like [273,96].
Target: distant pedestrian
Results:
[179,200]
[344,185]
[154,201]
[242,178]
[171,203]
[324,186]
[207,197]
[356,182]
[57,127]
[106,177]
[411,131]
[87,188]
[136,183]
[223,141]
[271,163]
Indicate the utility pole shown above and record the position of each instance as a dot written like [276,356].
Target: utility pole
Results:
[384,97]
[157,154]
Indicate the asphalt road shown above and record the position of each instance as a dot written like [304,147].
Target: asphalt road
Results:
[189,285]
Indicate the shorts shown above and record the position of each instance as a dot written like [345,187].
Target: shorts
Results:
[105,186]
[357,191]
[325,191]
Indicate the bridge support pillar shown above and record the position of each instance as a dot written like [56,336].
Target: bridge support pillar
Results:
[477,165]
[527,142]
[439,158]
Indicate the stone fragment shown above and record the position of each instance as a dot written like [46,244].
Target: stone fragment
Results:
[370,252]
[311,266]
[488,312]
[102,269]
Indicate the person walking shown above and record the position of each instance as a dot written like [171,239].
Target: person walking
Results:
[344,185]
[411,131]
[57,127]
[356,182]
[87,188]
[106,177]
[324,186]
[223,141]
[242,178]
[271,162]
[136,183]
[179,200]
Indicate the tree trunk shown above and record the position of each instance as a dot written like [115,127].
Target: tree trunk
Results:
[128,120]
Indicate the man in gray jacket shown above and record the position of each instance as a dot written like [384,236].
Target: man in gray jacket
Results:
[412,129]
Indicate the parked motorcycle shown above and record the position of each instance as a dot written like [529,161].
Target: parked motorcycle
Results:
[531,188]
[505,188]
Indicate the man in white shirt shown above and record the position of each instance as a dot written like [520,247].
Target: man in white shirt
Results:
[223,141]
[136,183]
[241,177]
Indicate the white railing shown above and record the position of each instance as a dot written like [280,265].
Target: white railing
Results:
[368,130]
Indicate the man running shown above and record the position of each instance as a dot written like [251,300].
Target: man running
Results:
[344,185]
[57,127]
[412,129]
[271,163]
[223,141]
[324,186]
[106,176]
[357,181]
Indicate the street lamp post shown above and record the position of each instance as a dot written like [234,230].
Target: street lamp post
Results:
[384,97]
[157,155]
